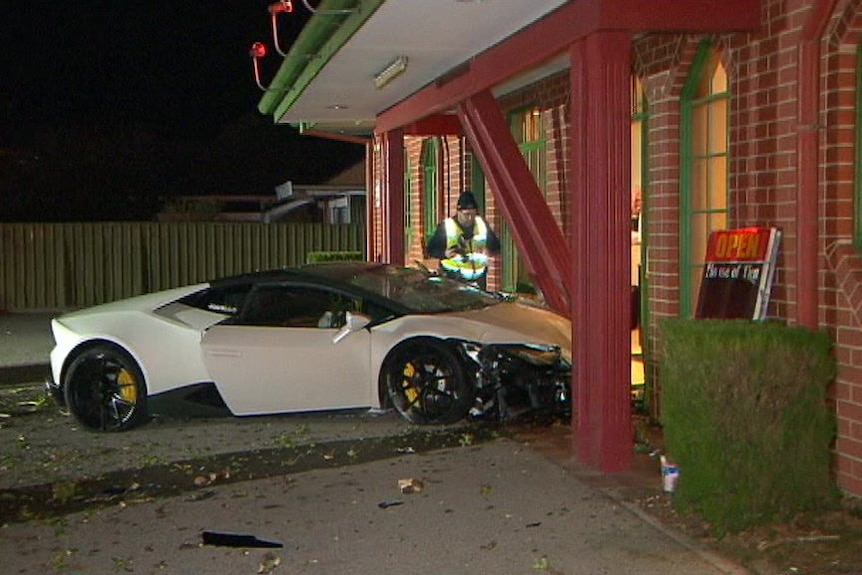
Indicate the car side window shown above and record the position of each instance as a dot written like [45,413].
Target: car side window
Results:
[228,300]
[295,306]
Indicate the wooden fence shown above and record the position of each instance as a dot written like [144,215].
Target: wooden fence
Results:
[68,266]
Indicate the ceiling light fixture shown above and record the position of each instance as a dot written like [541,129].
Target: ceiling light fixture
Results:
[392,70]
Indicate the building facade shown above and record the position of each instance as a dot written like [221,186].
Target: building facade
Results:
[728,130]
[606,139]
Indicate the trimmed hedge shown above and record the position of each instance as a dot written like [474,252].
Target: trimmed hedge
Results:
[317,257]
[745,416]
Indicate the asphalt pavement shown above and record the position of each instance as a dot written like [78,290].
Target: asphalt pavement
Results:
[503,506]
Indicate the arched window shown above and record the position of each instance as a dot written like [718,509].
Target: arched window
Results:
[703,176]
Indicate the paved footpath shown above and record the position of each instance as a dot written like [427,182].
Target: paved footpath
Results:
[499,507]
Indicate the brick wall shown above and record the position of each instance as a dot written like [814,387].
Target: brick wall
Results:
[764,71]
[841,283]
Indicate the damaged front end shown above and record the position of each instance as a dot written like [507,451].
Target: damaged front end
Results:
[512,379]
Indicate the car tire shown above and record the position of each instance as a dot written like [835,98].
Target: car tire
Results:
[105,390]
[427,383]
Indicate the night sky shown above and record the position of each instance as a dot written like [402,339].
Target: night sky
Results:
[175,71]
[181,64]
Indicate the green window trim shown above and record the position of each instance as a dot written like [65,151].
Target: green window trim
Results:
[409,232]
[714,209]
[478,184]
[640,117]
[430,192]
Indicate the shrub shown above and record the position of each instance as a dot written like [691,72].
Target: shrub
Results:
[317,257]
[745,416]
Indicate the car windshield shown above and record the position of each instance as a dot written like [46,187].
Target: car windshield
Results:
[422,292]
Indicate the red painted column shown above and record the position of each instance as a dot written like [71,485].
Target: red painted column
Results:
[601,248]
[393,201]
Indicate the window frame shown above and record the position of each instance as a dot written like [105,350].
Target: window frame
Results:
[690,101]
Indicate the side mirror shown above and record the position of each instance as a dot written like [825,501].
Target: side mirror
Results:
[352,322]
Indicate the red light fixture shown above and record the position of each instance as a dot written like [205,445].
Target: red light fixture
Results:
[276,8]
[258,50]
[285,6]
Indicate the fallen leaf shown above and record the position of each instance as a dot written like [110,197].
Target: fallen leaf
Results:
[269,563]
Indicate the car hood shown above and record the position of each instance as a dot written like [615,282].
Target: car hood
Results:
[513,322]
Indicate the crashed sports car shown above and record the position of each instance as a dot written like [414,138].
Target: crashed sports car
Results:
[317,337]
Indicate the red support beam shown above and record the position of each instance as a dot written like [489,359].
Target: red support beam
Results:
[436,125]
[600,157]
[393,161]
[703,16]
[538,236]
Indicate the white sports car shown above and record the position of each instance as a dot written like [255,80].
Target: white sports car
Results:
[316,337]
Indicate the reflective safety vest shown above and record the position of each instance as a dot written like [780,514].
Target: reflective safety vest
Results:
[474,263]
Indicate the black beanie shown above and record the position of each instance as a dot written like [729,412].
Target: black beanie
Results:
[467,201]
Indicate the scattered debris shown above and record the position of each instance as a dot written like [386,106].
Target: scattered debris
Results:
[406,450]
[222,539]
[388,504]
[200,496]
[669,474]
[212,477]
[817,538]
[269,563]
[410,485]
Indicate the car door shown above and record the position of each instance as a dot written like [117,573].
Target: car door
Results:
[287,351]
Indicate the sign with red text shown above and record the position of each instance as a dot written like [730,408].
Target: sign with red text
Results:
[737,273]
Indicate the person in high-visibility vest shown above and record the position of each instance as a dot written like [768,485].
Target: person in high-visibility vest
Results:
[464,243]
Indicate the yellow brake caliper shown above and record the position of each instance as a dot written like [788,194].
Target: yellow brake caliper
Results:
[128,388]
[410,390]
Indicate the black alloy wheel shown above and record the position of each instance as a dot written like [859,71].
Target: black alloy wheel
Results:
[105,390]
[427,383]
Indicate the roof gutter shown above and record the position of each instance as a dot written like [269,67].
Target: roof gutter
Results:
[326,32]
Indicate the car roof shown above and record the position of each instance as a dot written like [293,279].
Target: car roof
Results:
[334,272]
